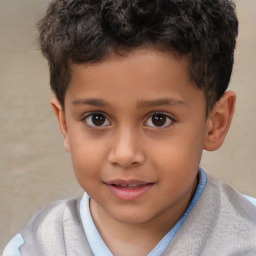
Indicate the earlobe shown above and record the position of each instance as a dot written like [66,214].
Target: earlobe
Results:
[219,121]
[57,109]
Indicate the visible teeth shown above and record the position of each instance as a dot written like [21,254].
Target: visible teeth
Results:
[130,186]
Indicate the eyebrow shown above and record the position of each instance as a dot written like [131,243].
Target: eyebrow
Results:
[142,104]
[161,102]
[92,102]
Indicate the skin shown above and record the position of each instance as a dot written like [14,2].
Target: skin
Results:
[128,93]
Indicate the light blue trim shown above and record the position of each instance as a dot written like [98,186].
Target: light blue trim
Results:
[160,247]
[98,246]
[13,247]
[250,199]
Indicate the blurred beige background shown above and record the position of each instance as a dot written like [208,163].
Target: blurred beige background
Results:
[34,166]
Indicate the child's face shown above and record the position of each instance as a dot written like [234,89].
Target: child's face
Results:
[136,120]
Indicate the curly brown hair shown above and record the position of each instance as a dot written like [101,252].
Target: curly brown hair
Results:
[86,31]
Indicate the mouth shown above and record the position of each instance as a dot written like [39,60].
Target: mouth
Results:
[129,186]
[128,190]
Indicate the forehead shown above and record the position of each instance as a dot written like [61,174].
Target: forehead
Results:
[146,74]
[140,62]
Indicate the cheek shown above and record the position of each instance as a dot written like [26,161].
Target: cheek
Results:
[87,159]
[179,155]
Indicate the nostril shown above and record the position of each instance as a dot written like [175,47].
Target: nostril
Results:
[126,150]
[126,160]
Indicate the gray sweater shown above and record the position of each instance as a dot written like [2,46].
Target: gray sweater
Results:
[222,223]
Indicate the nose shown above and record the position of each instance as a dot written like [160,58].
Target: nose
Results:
[126,150]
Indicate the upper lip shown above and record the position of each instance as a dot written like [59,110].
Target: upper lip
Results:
[127,182]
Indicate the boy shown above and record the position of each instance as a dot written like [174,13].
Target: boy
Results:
[140,91]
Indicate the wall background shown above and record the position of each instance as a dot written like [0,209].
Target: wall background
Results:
[35,169]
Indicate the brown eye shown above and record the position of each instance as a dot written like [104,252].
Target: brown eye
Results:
[97,120]
[159,120]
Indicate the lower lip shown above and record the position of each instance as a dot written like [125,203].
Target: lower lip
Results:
[128,194]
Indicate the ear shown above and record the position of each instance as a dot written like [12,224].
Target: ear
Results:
[219,121]
[57,109]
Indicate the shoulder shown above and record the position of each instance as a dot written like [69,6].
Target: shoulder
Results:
[233,217]
[230,198]
[43,226]
[51,216]
[222,217]
[55,228]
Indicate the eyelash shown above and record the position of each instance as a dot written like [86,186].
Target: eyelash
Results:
[166,117]
[94,114]
[102,119]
